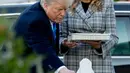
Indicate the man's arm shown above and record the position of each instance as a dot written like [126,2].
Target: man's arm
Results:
[37,39]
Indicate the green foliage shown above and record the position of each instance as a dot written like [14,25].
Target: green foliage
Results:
[3,21]
[12,61]
[2,36]
[3,29]
[15,63]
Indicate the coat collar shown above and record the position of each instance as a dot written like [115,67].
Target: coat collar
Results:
[85,16]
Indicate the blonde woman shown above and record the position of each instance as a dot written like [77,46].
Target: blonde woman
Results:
[89,16]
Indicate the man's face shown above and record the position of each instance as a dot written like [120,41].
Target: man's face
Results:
[56,11]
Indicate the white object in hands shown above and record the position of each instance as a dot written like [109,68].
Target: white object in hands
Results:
[89,36]
[85,66]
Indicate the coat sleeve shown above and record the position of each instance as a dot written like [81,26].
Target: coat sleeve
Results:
[37,39]
[110,22]
[64,32]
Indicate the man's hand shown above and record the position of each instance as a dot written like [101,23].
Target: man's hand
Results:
[94,44]
[65,70]
[70,44]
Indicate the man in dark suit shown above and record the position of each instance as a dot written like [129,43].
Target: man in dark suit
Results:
[36,25]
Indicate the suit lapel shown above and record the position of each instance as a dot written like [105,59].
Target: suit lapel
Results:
[85,16]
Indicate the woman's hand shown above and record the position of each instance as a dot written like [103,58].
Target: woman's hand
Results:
[70,44]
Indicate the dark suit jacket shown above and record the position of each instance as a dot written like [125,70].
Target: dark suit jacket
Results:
[34,25]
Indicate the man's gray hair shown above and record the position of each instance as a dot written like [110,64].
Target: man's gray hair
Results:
[67,2]
[47,1]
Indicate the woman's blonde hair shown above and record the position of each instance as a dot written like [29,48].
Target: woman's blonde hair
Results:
[96,5]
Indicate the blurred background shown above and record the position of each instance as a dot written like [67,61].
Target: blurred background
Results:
[14,58]
[16,1]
